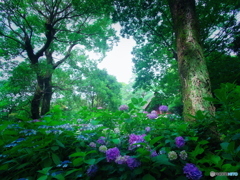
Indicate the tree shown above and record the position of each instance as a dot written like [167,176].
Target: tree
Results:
[81,83]
[191,62]
[46,31]
[151,24]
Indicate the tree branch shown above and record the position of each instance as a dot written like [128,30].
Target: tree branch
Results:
[66,56]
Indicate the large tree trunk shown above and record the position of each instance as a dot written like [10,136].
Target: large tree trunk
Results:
[191,63]
[47,96]
[37,97]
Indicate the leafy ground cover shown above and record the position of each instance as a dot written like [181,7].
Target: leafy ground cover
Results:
[125,144]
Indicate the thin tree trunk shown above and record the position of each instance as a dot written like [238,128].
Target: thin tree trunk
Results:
[192,67]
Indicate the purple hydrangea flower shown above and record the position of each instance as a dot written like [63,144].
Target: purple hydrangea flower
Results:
[163,108]
[92,170]
[145,112]
[180,142]
[112,154]
[133,138]
[147,129]
[123,107]
[133,163]
[101,140]
[192,172]
[154,112]
[152,116]
[121,159]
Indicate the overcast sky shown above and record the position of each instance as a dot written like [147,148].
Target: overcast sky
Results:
[118,62]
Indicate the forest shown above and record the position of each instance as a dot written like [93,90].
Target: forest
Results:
[64,118]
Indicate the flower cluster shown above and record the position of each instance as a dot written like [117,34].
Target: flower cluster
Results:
[147,129]
[133,138]
[101,140]
[103,148]
[123,107]
[192,172]
[15,143]
[152,115]
[28,132]
[133,163]
[172,155]
[92,144]
[154,153]
[122,159]
[64,164]
[112,154]
[183,155]
[180,142]
[92,170]
[163,108]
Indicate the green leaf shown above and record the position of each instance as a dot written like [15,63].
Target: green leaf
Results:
[156,139]
[45,170]
[162,160]
[77,154]
[54,148]
[148,177]
[203,142]
[78,161]
[221,178]
[116,141]
[90,161]
[215,159]
[60,143]
[43,177]
[91,152]
[198,150]
[134,101]
[224,145]
[236,136]
[56,159]
[4,167]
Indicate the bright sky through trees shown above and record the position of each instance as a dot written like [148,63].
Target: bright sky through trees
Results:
[118,62]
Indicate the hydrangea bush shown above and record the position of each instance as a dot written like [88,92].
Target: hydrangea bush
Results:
[125,144]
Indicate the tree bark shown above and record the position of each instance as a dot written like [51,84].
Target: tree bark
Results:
[37,97]
[47,96]
[192,67]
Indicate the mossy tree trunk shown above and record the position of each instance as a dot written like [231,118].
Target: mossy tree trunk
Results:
[192,67]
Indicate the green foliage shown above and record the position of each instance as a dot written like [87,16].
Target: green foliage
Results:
[58,147]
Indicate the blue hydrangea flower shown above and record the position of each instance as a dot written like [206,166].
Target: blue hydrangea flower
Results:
[192,172]
[112,154]
[64,164]
[180,142]
[154,153]
[91,171]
